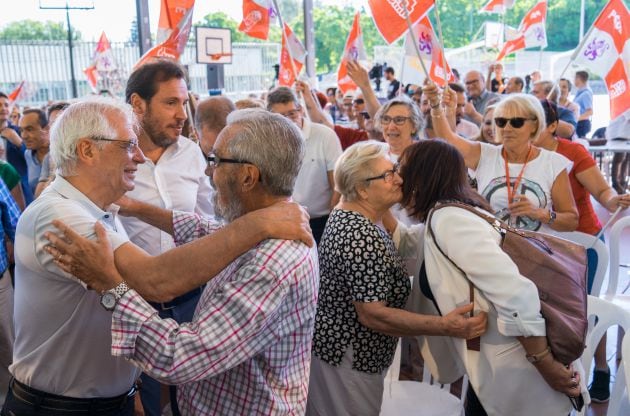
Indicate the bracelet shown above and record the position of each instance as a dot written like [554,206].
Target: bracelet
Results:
[538,357]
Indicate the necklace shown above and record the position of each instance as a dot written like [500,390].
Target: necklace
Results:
[512,190]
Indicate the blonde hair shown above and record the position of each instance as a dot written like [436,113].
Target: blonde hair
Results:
[523,103]
[354,165]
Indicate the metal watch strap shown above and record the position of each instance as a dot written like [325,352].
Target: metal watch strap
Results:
[120,289]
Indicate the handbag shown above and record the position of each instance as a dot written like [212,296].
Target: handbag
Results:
[558,269]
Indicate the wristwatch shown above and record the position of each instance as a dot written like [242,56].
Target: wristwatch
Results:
[552,217]
[536,358]
[110,298]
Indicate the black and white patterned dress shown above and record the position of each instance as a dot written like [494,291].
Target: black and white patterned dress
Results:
[358,262]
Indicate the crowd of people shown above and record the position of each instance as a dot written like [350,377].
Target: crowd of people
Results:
[254,257]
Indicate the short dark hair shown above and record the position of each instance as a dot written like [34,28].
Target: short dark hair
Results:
[568,83]
[583,75]
[551,111]
[456,87]
[390,70]
[145,79]
[213,112]
[434,171]
[281,95]
[3,95]
[41,116]
[57,106]
[519,81]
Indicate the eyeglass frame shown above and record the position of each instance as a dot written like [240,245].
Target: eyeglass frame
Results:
[518,120]
[395,170]
[214,161]
[130,145]
[385,120]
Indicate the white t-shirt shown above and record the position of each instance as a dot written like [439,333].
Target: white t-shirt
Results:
[538,178]
[322,149]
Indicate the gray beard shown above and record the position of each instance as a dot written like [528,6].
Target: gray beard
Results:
[228,213]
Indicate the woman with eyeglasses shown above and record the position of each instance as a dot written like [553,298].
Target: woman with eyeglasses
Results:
[526,186]
[363,289]
[400,121]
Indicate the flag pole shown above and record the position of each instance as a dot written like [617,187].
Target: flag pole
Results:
[286,41]
[415,43]
[441,38]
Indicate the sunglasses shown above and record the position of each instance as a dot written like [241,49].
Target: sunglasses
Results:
[359,101]
[516,122]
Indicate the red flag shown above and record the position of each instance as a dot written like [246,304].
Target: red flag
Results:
[389,15]
[103,57]
[354,51]
[606,51]
[292,51]
[179,12]
[531,31]
[91,75]
[430,51]
[497,6]
[17,93]
[256,14]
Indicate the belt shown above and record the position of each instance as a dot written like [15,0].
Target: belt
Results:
[40,398]
[165,306]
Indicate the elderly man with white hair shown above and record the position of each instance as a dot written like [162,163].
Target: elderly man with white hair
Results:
[62,361]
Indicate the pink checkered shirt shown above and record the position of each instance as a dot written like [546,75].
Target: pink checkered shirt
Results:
[248,349]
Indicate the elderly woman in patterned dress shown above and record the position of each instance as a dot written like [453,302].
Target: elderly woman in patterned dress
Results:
[363,288]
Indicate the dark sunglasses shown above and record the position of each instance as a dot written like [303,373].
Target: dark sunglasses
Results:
[516,122]
[359,101]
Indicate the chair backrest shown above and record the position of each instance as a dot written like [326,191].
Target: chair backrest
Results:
[589,241]
[602,315]
[614,244]
[620,397]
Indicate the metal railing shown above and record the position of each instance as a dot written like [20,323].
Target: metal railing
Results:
[44,65]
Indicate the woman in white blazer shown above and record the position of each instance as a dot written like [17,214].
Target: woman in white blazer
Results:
[513,372]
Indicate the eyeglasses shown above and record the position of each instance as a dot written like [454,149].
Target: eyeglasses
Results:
[359,101]
[291,113]
[129,145]
[516,122]
[214,161]
[473,81]
[398,120]
[387,176]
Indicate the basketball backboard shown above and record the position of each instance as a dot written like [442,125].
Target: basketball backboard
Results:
[214,45]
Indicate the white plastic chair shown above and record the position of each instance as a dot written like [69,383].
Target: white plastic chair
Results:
[608,314]
[620,399]
[614,244]
[406,397]
[589,241]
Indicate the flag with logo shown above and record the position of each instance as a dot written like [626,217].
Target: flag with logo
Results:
[17,93]
[292,58]
[390,17]
[430,51]
[354,51]
[256,18]
[103,57]
[173,30]
[531,32]
[497,6]
[605,50]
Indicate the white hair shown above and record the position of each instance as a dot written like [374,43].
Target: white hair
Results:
[355,164]
[93,117]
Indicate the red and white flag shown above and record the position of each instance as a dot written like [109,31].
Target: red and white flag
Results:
[91,73]
[292,58]
[389,15]
[102,61]
[256,18]
[605,50]
[17,93]
[531,31]
[354,51]
[497,6]
[173,30]
[430,51]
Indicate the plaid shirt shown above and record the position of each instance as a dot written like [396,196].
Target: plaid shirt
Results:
[247,350]
[9,213]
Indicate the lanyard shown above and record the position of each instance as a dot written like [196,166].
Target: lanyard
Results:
[512,190]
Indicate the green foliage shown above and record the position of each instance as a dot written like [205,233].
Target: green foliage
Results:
[34,30]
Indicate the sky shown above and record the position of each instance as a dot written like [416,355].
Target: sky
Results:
[113,16]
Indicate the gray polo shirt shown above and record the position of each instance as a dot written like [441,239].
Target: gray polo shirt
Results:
[480,103]
[62,333]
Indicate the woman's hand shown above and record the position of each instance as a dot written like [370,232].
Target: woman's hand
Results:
[558,376]
[616,201]
[523,207]
[449,99]
[358,74]
[433,93]
[457,324]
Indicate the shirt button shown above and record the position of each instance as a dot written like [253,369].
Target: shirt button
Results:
[515,314]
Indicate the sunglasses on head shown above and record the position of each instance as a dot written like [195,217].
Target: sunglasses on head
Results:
[516,122]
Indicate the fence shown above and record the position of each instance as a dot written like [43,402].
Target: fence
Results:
[45,68]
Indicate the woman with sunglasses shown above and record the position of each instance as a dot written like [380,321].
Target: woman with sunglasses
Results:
[363,289]
[526,186]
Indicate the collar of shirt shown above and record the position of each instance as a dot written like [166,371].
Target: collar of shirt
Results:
[68,191]
[168,152]
[481,97]
[306,128]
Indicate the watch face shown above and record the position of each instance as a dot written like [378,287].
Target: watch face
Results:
[108,300]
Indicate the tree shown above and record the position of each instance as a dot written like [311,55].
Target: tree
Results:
[34,30]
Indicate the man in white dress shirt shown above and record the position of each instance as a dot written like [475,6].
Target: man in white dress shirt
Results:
[172,177]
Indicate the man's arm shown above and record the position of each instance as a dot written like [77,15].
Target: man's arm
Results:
[334,200]
[10,134]
[315,112]
[359,75]
[181,269]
